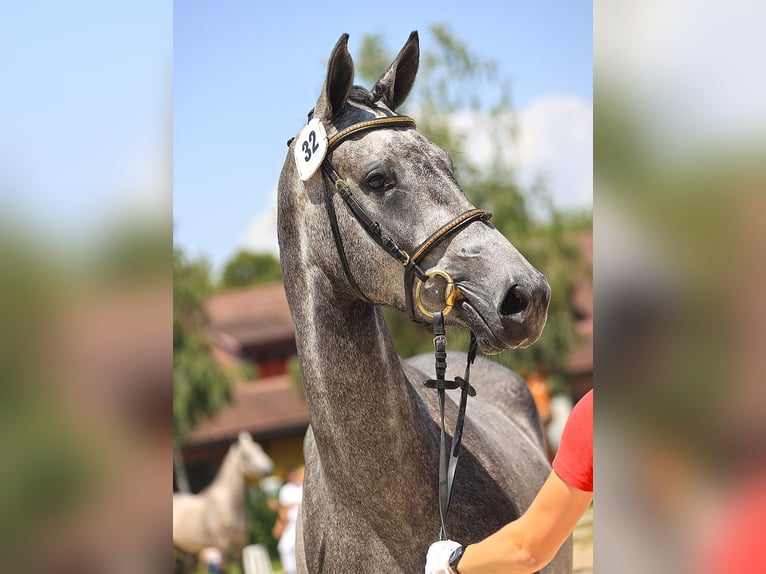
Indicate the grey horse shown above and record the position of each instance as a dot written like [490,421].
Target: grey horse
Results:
[372,450]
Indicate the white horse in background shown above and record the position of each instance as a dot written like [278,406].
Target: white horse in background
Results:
[216,516]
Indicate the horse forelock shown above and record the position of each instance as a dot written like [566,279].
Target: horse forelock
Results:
[360,95]
[361,106]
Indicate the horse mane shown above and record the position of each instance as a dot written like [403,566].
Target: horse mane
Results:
[350,115]
[360,95]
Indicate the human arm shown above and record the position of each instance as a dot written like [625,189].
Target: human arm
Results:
[530,542]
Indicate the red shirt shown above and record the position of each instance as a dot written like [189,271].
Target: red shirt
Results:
[736,540]
[574,459]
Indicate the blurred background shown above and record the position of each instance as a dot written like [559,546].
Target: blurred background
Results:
[107,108]
[680,135]
[85,286]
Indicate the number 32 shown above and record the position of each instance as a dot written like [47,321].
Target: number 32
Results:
[309,150]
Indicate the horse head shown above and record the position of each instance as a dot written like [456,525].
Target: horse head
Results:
[254,461]
[406,184]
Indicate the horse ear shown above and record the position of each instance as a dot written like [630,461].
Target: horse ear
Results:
[244,436]
[337,84]
[395,83]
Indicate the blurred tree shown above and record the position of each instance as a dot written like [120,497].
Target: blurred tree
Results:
[200,387]
[261,519]
[248,268]
[373,58]
[457,91]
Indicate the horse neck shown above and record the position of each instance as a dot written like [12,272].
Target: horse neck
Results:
[364,414]
[229,484]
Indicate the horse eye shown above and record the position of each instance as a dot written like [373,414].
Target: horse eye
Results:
[377,181]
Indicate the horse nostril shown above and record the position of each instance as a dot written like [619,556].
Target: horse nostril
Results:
[515,301]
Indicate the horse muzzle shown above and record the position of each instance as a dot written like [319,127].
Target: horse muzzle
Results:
[514,319]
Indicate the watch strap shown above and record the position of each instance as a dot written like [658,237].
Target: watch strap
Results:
[455,557]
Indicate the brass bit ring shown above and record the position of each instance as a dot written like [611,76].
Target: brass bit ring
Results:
[450,295]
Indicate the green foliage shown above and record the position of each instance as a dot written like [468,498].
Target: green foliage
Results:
[453,81]
[261,519]
[200,387]
[247,268]
[551,248]
[191,286]
[130,250]
[374,58]
[451,78]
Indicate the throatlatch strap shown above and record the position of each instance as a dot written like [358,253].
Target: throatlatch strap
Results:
[448,458]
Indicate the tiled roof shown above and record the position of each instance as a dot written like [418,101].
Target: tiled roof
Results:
[250,316]
[263,407]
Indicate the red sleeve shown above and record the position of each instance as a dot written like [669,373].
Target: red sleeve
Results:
[574,459]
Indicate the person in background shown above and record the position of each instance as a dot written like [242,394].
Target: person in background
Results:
[290,497]
[210,559]
[528,543]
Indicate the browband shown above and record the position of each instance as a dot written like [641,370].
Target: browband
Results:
[394,121]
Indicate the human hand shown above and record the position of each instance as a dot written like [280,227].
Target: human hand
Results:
[437,559]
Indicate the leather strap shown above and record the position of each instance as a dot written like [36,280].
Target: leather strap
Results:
[450,228]
[393,121]
[339,246]
[448,459]
[454,559]
[371,227]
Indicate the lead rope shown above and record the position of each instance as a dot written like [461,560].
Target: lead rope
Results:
[448,458]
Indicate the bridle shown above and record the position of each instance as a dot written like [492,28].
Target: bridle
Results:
[412,270]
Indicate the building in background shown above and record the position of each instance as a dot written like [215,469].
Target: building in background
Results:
[253,338]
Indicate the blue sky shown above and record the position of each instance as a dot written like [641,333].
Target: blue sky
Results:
[95,92]
[246,73]
[84,111]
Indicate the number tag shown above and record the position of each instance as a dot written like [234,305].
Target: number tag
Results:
[310,148]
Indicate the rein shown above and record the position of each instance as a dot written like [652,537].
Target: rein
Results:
[448,458]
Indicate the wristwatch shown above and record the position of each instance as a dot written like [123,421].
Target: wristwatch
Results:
[455,557]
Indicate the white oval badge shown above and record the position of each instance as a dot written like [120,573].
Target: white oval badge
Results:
[310,148]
